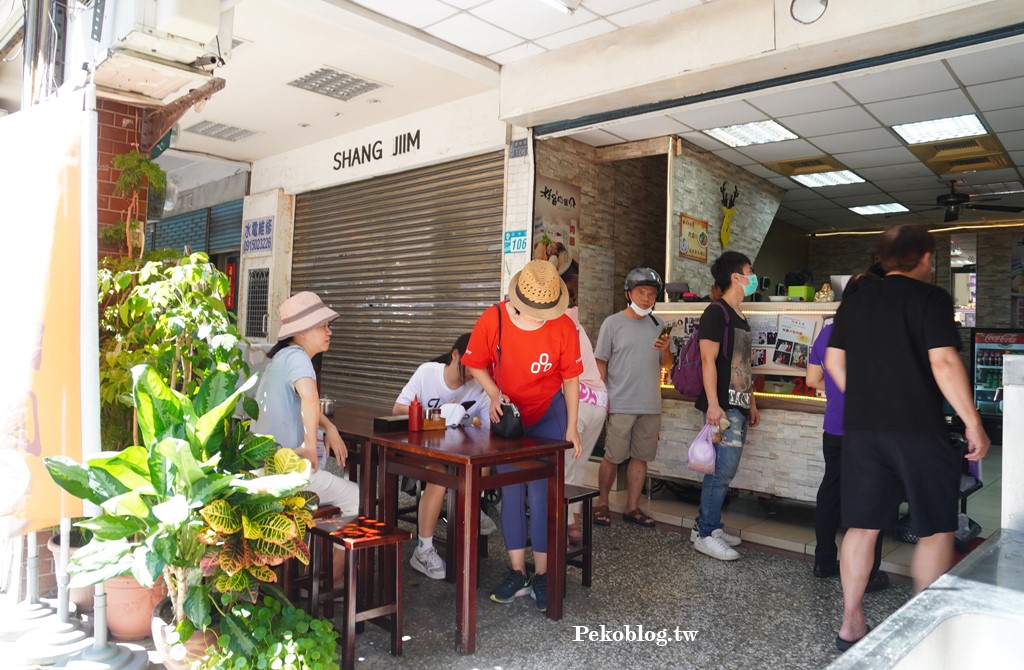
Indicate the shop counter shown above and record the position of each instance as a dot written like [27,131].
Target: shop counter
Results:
[782,457]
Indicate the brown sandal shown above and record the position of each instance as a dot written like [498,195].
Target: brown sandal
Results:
[601,516]
[638,517]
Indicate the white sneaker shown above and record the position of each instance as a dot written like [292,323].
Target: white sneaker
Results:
[730,540]
[486,524]
[715,547]
[428,562]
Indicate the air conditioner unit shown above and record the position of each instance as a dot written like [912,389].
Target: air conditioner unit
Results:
[150,49]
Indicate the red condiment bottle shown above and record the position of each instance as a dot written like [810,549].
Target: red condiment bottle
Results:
[415,415]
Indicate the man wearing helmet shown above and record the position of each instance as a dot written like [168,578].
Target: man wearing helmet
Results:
[630,353]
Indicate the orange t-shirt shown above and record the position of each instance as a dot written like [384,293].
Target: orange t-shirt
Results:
[533,362]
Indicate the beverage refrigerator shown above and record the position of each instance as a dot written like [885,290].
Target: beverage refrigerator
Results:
[988,346]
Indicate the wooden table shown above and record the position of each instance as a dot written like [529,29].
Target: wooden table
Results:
[355,424]
[465,453]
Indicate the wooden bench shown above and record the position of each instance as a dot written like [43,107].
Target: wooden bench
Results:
[581,556]
[357,535]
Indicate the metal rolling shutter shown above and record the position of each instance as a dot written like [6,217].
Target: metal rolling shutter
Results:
[408,260]
[177,231]
[226,227]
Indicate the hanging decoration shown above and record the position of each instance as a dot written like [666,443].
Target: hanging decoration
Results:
[728,209]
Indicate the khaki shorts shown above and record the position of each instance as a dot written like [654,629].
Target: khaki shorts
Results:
[631,436]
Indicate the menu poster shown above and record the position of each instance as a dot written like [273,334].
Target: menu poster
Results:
[763,329]
[793,341]
[693,238]
[682,330]
[556,219]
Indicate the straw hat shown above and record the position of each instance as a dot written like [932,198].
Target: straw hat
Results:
[538,291]
[301,312]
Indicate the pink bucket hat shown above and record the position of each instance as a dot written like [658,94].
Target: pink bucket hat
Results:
[301,312]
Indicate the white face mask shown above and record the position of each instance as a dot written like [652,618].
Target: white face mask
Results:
[639,311]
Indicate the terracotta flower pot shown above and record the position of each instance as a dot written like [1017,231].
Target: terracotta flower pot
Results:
[130,607]
[178,656]
[82,597]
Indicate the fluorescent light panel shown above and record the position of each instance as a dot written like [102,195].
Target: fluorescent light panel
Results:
[334,84]
[820,179]
[745,134]
[950,128]
[220,131]
[887,208]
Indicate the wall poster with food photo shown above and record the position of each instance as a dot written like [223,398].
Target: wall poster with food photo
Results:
[556,220]
[693,238]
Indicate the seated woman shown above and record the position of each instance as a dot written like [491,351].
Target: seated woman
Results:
[442,381]
[290,404]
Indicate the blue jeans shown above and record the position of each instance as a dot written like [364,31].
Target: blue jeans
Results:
[727,461]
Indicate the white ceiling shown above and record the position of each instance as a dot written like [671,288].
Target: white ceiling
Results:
[429,52]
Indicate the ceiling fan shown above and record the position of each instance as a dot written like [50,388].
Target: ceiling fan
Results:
[954,201]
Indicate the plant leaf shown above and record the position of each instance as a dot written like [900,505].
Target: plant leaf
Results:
[147,566]
[207,488]
[210,421]
[277,528]
[126,504]
[197,606]
[179,452]
[72,477]
[232,555]
[107,527]
[262,573]
[159,410]
[222,517]
[241,641]
[216,388]
[128,467]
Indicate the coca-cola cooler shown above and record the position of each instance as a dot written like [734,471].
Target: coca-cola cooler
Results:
[989,347]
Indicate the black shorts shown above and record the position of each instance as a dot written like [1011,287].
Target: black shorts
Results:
[881,469]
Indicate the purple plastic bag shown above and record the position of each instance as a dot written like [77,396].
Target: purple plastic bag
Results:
[701,456]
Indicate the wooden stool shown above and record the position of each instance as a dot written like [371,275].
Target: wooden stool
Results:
[358,534]
[290,581]
[581,557]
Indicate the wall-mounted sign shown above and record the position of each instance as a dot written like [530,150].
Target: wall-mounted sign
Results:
[693,238]
[519,149]
[556,218]
[231,269]
[258,236]
[401,143]
[515,241]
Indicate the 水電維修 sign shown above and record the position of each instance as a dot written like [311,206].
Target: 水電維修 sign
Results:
[258,236]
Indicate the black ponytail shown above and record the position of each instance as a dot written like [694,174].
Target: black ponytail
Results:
[460,346]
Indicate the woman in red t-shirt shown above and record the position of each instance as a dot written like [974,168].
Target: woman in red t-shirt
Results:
[539,372]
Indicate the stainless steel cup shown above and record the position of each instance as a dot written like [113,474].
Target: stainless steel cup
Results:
[327,406]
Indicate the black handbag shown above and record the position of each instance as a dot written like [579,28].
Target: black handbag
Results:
[510,424]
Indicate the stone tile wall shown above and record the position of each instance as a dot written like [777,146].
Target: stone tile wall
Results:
[782,456]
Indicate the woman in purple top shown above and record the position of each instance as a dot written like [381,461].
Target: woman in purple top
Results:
[826,514]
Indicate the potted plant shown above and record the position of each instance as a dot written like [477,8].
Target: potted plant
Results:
[271,633]
[170,506]
[136,171]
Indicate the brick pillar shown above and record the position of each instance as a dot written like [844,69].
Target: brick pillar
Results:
[120,127]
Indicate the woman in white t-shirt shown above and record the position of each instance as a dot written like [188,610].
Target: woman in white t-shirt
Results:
[442,381]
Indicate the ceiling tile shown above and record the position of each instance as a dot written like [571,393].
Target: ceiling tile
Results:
[1013,141]
[605,7]
[787,183]
[829,121]
[1002,62]
[651,10]
[922,197]
[474,35]
[922,107]
[835,192]
[760,171]
[518,52]
[460,4]
[644,128]
[858,140]
[900,82]
[876,158]
[986,176]
[1017,157]
[899,171]
[417,14]
[735,157]
[800,194]
[718,115]
[848,201]
[802,100]
[529,19]
[778,151]
[703,141]
[1004,119]
[597,138]
[999,95]
[908,183]
[577,34]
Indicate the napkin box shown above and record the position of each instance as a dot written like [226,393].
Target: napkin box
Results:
[391,424]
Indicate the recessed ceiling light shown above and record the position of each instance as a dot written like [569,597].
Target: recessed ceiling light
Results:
[220,131]
[745,134]
[334,83]
[936,130]
[887,208]
[819,179]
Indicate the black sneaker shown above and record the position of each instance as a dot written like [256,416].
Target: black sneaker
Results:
[515,584]
[825,571]
[540,592]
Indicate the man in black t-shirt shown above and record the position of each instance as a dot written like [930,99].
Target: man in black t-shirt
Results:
[728,394]
[893,352]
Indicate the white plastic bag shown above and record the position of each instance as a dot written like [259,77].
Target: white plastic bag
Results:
[701,456]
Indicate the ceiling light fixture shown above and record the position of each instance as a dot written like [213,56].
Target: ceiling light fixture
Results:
[745,134]
[821,179]
[887,208]
[936,130]
[564,6]
[334,83]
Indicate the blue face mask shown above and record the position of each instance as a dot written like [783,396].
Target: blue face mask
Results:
[751,287]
